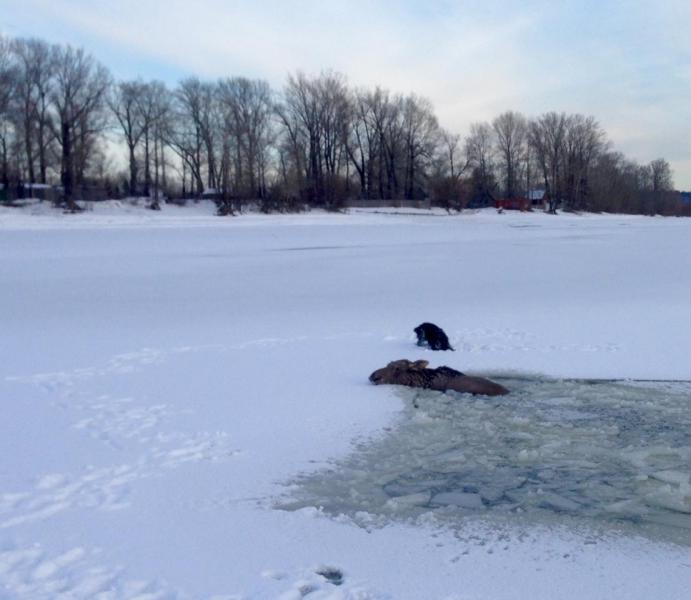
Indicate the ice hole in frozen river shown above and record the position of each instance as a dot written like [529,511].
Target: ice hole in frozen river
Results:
[595,452]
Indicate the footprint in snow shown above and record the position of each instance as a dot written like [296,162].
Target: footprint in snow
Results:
[331,574]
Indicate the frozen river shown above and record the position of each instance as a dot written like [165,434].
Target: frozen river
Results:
[166,379]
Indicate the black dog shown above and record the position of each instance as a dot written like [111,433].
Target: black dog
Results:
[430,335]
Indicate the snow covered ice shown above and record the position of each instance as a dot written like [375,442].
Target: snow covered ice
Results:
[168,380]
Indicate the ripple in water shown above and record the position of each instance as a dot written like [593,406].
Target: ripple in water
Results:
[595,452]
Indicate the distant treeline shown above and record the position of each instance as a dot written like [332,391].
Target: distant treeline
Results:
[316,142]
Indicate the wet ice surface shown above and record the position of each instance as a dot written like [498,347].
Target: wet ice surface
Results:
[607,455]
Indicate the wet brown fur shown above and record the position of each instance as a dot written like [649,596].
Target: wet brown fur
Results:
[417,375]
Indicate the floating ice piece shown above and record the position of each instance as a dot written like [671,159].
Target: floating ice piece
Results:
[671,498]
[674,477]
[405,502]
[462,499]
[557,502]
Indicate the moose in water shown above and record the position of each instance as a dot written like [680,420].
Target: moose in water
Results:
[417,375]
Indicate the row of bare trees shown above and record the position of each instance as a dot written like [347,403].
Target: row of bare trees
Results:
[317,142]
[52,112]
[568,156]
[334,142]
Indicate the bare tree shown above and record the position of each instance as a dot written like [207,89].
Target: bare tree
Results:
[34,70]
[293,147]
[479,148]
[451,149]
[6,74]
[547,134]
[447,187]
[661,175]
[387,112]
[314,116]
[299,115]
[421,137]
[7,85]
[78,99]
[124,102]
[361,141]
[153,106]
[156,125]
[565,148]
[659,197]
[334,118]
[247,109]
[583,141]
[622,185]
[185,135]
[511,130]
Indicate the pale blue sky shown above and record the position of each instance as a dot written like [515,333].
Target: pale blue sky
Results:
[627,63]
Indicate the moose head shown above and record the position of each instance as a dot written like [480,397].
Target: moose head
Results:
[397,371]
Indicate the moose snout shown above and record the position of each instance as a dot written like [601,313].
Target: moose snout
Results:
[375,377]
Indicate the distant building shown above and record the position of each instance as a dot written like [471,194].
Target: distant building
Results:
[513,204]
[538,198]
[685,198]
[40,191]
[214,194]
[481,199]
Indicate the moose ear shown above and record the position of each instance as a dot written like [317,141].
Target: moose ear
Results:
[418,365]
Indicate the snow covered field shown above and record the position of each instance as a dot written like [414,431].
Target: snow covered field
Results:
[167,378]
